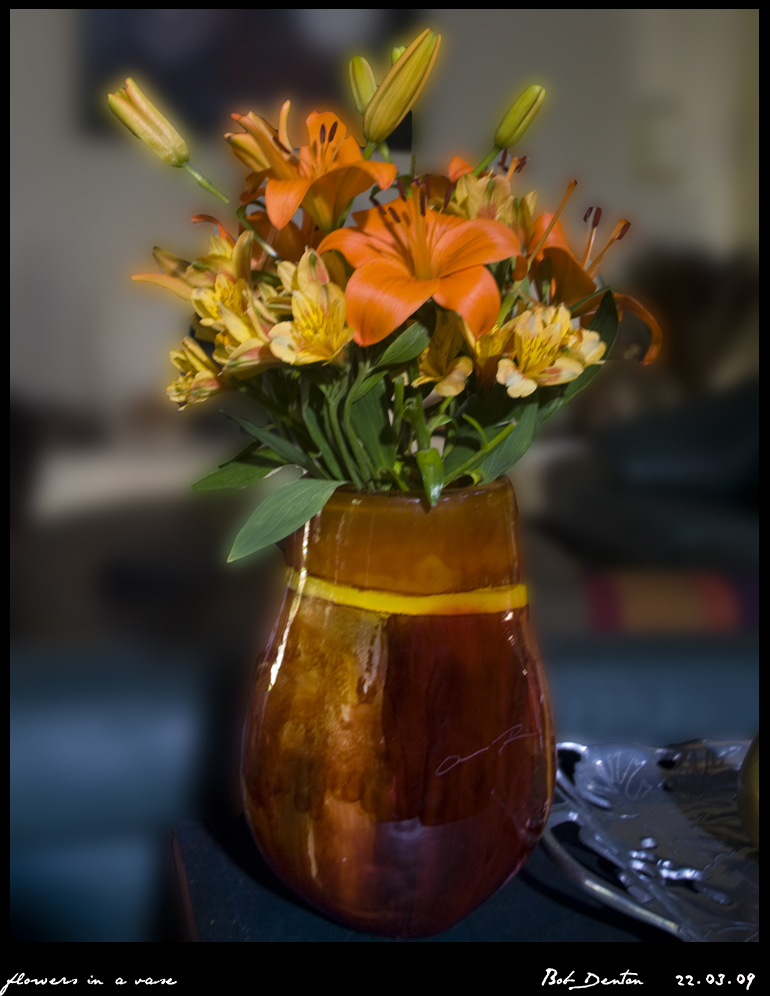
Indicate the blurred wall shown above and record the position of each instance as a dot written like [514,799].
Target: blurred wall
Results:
[654,111]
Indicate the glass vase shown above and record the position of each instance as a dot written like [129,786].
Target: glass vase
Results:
[398,756]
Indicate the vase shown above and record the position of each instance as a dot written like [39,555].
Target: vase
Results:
[398,756]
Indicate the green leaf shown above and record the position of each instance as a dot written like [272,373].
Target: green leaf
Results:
[605,322]
[359,390]
[437,421]
[490,413]
[514,446]
[310,408]
[369,417]
[406,347]
[579,304]
[284,448]
[432,471]
[281,513]
[247,468]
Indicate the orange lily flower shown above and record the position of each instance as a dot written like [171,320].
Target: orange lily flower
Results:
[407,253]
[328,173]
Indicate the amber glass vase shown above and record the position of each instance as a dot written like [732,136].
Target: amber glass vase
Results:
[398,757]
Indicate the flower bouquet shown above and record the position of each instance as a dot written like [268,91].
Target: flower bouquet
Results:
[419,347]
[398,752]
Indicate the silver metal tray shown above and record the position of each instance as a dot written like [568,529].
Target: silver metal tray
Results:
[666,821]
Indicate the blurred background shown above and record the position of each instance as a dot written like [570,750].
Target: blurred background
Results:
[132,642]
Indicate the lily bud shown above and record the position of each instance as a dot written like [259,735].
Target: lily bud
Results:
[362,82]
[401,87]
[396,54]
[519,117]
[147,123]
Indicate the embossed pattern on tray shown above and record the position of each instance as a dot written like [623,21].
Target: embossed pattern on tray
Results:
[666,819]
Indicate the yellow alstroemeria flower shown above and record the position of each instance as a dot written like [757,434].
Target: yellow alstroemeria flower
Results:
[483,197]
[177,275]
[318,332]
[312,268]
[441,363]
[587,347]
[199,375]
[486,350]
[232,284]
[539,353]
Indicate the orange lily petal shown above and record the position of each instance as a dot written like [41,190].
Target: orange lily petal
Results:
[283,198]
[175,284]
[267,146]
[288,242]
[380,296]
[330,194]
[199,219]
[357,247]
[326,120]
[572,281]
[472,243]
[555,236]
[457,168]
[626,303]
[473,294]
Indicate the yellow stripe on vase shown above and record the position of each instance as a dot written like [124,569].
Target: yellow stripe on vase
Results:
[457,603]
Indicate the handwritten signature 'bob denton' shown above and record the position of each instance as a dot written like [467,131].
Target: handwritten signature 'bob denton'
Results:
[552,978]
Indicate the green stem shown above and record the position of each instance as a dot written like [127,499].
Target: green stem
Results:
[505,307]
[369,150]
[403,486]
[420,425]
[350,463]
[365,462]
[398,404]
[384,152]
[203,182]
[487,160]
[344,216]
[434,422]
[486,448]
[244,220]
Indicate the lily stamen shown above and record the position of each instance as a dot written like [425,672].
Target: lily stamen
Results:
[280,145]
[620,230]
[570,187]
[591,233]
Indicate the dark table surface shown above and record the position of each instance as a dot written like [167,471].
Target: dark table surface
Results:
[231,895]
